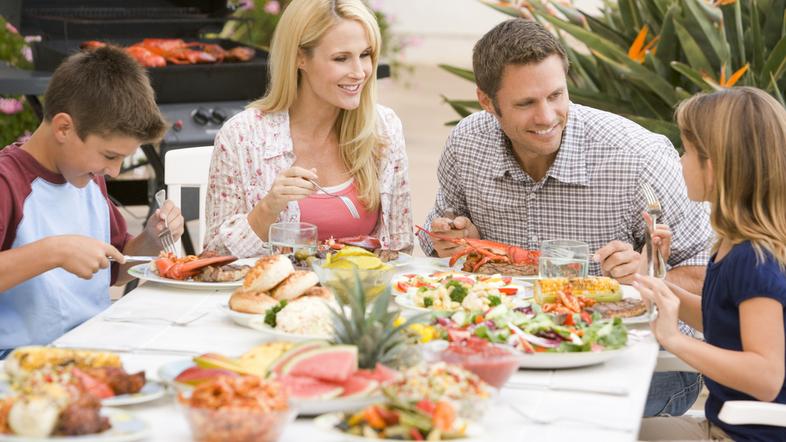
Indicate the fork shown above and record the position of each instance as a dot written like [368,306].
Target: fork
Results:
[165,236]
[543,419]
[655,266]
[143,319]
[344,199]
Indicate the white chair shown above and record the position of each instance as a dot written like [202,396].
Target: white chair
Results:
[189,167]
[732,412]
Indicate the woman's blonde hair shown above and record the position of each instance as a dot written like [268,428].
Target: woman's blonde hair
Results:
[742,131]
[301,27]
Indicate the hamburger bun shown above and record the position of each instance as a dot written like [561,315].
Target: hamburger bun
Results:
[295,285]
[319,292]
[268,272]
[251,301]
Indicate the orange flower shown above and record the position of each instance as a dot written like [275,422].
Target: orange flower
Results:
[638,51]
[723,81]
[723,2]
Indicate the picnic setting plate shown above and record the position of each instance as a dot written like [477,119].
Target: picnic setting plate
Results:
[169,371]
[444,264]
[125,428]
[150,392]
[330,420]
[146,273]
[567,360]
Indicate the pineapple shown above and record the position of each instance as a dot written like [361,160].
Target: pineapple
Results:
[370,327]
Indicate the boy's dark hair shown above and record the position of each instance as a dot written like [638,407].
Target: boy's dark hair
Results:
[106,93]
[515,41]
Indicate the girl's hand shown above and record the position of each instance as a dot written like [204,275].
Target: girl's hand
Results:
[661,237]
[654,290]
[290,185]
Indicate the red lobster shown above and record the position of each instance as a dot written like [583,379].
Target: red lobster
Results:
[489,251]
[170,266]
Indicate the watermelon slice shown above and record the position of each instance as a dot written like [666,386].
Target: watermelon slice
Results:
[357,386]
[308,388]
[279,363]
[335,363]
[380,373]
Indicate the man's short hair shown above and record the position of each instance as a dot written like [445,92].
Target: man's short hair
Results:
[106,93]
[515,41]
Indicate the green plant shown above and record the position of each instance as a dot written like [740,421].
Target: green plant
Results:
[371,327]
[695,46]
[254,24]
[16,116]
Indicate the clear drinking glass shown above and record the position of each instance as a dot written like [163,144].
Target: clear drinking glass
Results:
[563,258]
[289,238]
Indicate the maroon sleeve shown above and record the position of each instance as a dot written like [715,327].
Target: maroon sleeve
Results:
[14,189]
[119,235]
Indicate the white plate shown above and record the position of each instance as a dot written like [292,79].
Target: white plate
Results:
[146,273]
[403,260]
[258,323]
[567,360]
[150,392]
[169,371]
[125,428]
[330,420]
[444,263]
[240,318]
[316,407]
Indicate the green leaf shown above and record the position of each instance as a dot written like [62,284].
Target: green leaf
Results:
[776,91]
[716,39]
[693,52]
[509,10]
[466,74]
[606,31]
[668,43]
[463,111]
[630,16]
[574,15]
[776,63]
[652,15]
[599,101]
[691,75]
[773,23]
[643,77]
[758,40]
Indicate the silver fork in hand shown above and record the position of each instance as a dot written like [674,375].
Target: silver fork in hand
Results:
[344,199]
[165,236]
[656,266]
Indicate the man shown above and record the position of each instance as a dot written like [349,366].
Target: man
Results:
[533,166]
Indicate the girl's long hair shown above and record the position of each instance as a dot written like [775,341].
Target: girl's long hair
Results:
[742,131]
[301,27]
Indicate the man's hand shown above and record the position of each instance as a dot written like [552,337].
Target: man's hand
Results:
[460,227]
[618,260]
[83,256]
[174,219]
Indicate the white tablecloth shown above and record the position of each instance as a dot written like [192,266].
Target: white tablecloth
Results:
[560,415]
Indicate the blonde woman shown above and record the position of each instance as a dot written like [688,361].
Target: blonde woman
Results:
[734,158]
[318,123]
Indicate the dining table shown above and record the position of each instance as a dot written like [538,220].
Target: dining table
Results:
[601,402]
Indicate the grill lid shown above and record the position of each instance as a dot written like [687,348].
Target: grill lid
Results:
[86,19]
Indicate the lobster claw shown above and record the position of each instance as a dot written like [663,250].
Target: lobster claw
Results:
[175,268]
[363,241]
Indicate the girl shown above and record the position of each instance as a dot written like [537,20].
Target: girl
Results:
[318,123]
[735,158]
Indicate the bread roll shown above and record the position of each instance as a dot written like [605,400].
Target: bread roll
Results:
[295,285]
[319,292]
[268,272]
[251,301]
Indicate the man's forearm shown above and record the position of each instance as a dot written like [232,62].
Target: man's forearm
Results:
[689,278]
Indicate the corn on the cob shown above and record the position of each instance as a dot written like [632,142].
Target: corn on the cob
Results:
[24,360]
[599,288]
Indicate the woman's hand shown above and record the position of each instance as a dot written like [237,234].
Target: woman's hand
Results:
[290,185]
[655,291]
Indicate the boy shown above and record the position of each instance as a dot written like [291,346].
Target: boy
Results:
[58,228]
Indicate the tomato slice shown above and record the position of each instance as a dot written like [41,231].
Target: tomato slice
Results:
[508,290]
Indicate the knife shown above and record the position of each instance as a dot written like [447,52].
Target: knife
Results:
[129,258]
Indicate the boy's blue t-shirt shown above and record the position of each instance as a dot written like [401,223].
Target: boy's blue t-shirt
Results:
[37,203]
[739,276]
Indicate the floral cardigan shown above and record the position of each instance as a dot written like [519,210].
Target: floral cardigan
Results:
[253,147]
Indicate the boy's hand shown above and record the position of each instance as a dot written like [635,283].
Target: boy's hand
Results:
[459,227]
[170,213]
[84,256]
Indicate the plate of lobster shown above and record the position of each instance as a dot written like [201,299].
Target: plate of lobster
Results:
[199,272]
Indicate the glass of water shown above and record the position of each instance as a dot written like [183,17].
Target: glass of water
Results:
[563,258]
[289,238]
